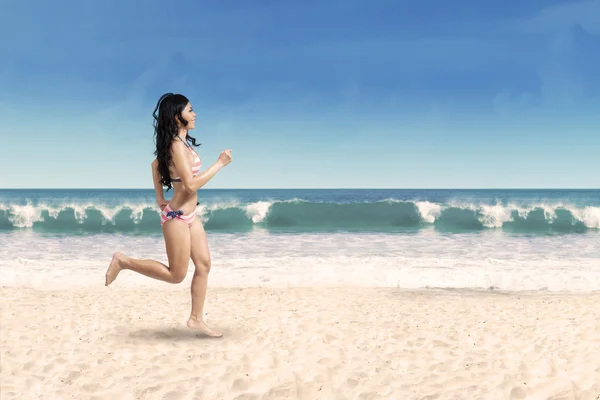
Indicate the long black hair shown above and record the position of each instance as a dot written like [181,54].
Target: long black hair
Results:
[168,109]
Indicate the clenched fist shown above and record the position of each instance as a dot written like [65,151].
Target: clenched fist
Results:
[225,157]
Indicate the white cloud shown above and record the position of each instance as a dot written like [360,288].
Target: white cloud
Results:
[559,17]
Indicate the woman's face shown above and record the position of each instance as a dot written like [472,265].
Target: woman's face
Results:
[190,116]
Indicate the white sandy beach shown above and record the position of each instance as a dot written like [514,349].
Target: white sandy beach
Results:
[299,343]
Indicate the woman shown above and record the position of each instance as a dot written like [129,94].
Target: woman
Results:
[177,166]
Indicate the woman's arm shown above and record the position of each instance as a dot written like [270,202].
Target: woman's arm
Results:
[158,189]
[184,167]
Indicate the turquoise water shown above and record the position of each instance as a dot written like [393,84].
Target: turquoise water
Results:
[501,239]
[239,211]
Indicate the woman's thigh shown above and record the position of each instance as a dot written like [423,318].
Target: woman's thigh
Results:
[199,245]
[178,245]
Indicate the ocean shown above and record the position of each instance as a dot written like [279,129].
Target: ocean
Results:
[511,240]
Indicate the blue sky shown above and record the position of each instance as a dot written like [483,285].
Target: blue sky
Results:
[345,93]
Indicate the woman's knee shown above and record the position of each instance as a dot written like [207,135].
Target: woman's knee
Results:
[178,277]
[202,266]
[178,274]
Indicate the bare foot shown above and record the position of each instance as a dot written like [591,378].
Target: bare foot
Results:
[114,268]
[201,326]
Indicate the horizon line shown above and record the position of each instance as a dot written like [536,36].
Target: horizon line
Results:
[333,188]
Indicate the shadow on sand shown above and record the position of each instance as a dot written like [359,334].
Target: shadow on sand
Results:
[169,334]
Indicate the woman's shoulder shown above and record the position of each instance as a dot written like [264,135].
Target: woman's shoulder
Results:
[177,144]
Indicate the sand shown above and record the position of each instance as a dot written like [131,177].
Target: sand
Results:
[299,343]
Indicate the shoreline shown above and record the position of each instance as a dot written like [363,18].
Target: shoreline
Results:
[155,286]
[300,343]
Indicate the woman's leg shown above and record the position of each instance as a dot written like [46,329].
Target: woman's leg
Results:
[201,260]
[177,243]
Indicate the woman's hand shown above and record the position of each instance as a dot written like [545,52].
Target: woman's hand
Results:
[162,204]
[225,157]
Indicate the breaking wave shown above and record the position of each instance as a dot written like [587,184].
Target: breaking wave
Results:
[303,216]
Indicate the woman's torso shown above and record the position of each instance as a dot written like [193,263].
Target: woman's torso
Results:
[183,199]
